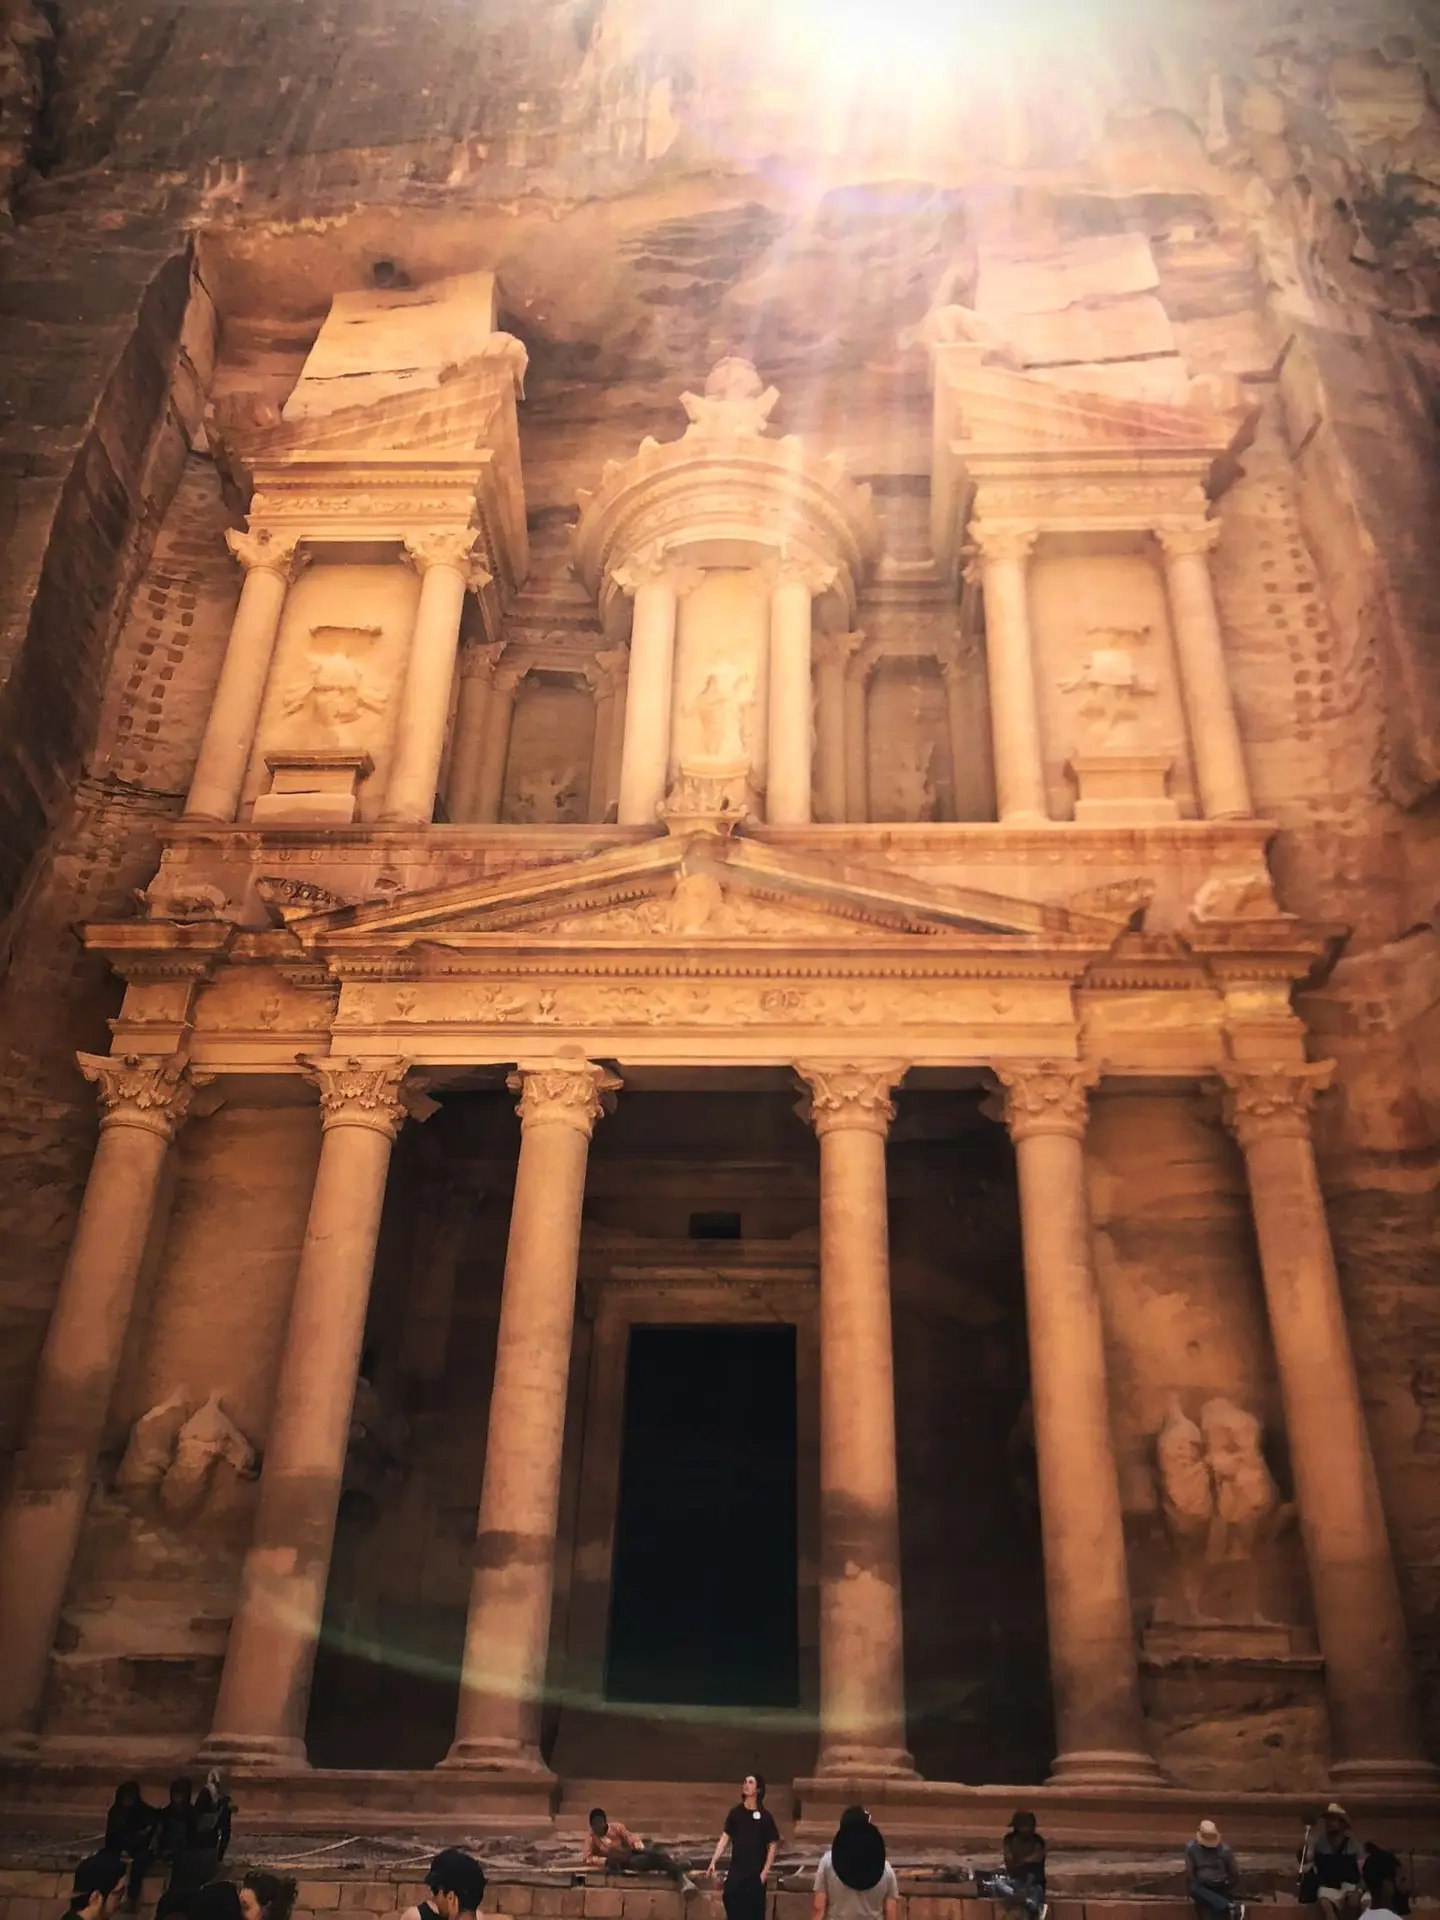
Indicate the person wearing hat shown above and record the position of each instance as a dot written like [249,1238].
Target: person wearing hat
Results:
[1330,1866]
[1212,1876]
[854,1880]
[1022,1882]
[98,1887]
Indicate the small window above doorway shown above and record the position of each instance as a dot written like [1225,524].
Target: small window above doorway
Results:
[715,1226]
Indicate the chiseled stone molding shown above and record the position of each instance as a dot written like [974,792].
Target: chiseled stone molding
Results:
[1000,541]
[1046,1096]
[138,1090]
[557,1093]
[854,1094]
[1262,1102]
[360,1093]
[262,549]
[1181,538]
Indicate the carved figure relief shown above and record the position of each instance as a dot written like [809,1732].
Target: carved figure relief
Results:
[175,1453]
[549,795]
[1215,1486]
[170,898]
[735,402]
[336,692]
[1113,685]
[720,709]
[912,780]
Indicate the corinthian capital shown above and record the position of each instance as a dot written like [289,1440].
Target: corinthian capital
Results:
[1003,540]
[276,553]
[833,649]
[135,1090]
[815,576]
[1046,1096]
[360,1093]
[1261,1102]
[853,1094]
[479,662]
[443,547]
[650,566]
[1183,537]
[557,1093]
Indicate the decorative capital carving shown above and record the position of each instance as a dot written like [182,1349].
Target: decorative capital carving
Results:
[480,662]
[509,673]
[556,1093]
[1003,541]
[650,566]
[815,576]
[442,547]
[1046,1096]
[861,662]
[136,1090]
[855,1094]
[833,649]
[607,670]
[1185,537]
[1262,1102]
[362,1093]
[261,548]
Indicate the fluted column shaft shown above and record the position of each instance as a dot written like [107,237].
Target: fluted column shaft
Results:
[507,1632]
[791,696]
[265,1687]
[229,741]
[1004,554]
[477,677]
[1200,650]
[857,737]
[1375,1739]
[862,1649]
[445,568]
[1099,1722]
[831,651]
[143,1102]
[495,748]
[645,757]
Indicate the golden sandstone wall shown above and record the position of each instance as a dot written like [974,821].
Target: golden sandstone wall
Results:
[188,187]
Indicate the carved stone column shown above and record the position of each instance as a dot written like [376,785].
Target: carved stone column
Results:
[1099,1722]
[495,751]
[654,586]
[143,1101]
[1003,556]
[265,1686]
[606,678]
[446,570]
[219,776]
[1375,1738]
[791,695]
[1200,651]
[858,669]
[831,651]
[477,677]
[507,1633]
[862,1660]
[972,769]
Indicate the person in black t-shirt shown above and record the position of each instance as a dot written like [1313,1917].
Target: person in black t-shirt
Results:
[98,1887]
[753,1839]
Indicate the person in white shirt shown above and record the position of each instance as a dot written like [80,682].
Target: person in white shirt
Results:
[854,1880]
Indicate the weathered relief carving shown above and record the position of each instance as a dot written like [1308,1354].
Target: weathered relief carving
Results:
[1187,1493]
[336,692]
[719,709]
[1118,900]
[1217,1492]
[285,899]
[170,898]
[1236,896]
[912,780]
[549,795]
[1113,684]
[735,402]
[176,1450]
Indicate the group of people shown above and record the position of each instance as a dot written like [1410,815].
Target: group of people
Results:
[1344,1879]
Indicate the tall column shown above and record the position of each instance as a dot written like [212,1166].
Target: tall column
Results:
[606,677]
[1099,1722]
[445,573]
[265,1686]
[507,1632]
[862,1660]
[495,748]
[857,734]
[219,776]
[791,695]
[1375,1739]
[1003,553]
[831,651]
[477,677]
[646,753]
[970,758]
[143,1102]
[1200,650]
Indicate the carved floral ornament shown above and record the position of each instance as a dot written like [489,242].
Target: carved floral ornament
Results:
[1269,1102]
[560,1093]
[273,552]
[136,1090]
[853,1095]
[365,1093]
[1046,1096]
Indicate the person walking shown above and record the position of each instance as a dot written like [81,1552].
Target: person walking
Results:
[1212,1875]
[854,1880]
[753,1838]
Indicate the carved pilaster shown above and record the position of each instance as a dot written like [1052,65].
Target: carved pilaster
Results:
[1046,1096]
[651,566]
[274,553]
[1181,538]
[361,1093]
[480,662]
[136,1090]
[854,1094]
[441,547]
[1003,540]
[555,1094]
[1265,1102]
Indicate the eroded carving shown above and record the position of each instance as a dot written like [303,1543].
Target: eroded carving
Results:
[1217,1492]
[169,897]
[735,403]
[336,692]
[175,1452]
[1113,685]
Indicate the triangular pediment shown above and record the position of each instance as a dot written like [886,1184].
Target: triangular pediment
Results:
[701,888]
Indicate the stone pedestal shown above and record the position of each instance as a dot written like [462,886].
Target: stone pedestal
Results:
[1122,789]
[235,710]
[1099,1722]
[507,1633]
[311,789]
[862,1661]
[143,1102]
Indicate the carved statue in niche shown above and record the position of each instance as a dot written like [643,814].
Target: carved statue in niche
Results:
[548,796]
[1215,1485]
[912,779]
[719,709]
[1187,1493]
[735,402]
[175,1452]
[336,692]
[1112,682]
[377,1453]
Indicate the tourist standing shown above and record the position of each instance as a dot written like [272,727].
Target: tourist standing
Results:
[753,1839]
[97,1888]
[854,1880]
[1212,1875]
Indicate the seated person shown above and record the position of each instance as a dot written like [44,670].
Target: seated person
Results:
[610,1844]
[1386,1886]
[130,1833]
[1023,1881]
[1330,1866]
[1212,1877]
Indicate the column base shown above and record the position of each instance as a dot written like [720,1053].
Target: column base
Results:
[865,1763]
[1100,1767]
[253,1750]
[1385,1776]
[484,1755]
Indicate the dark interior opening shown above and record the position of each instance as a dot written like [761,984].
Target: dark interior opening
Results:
[715,1226]
[703,1603]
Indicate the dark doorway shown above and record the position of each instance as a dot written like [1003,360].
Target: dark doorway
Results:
[703,1604]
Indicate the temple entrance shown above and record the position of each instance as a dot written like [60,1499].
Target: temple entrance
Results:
[703,1601]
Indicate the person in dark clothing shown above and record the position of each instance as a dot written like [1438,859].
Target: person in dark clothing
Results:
[267,1896]
[1022,1882]
[753,1838]
[202,1828]
[97,1888]
[1330,1866]
[1384,1878]
[220,1900]
[457,1881]
[1212,1875]
[130,1832]
[172,1825]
